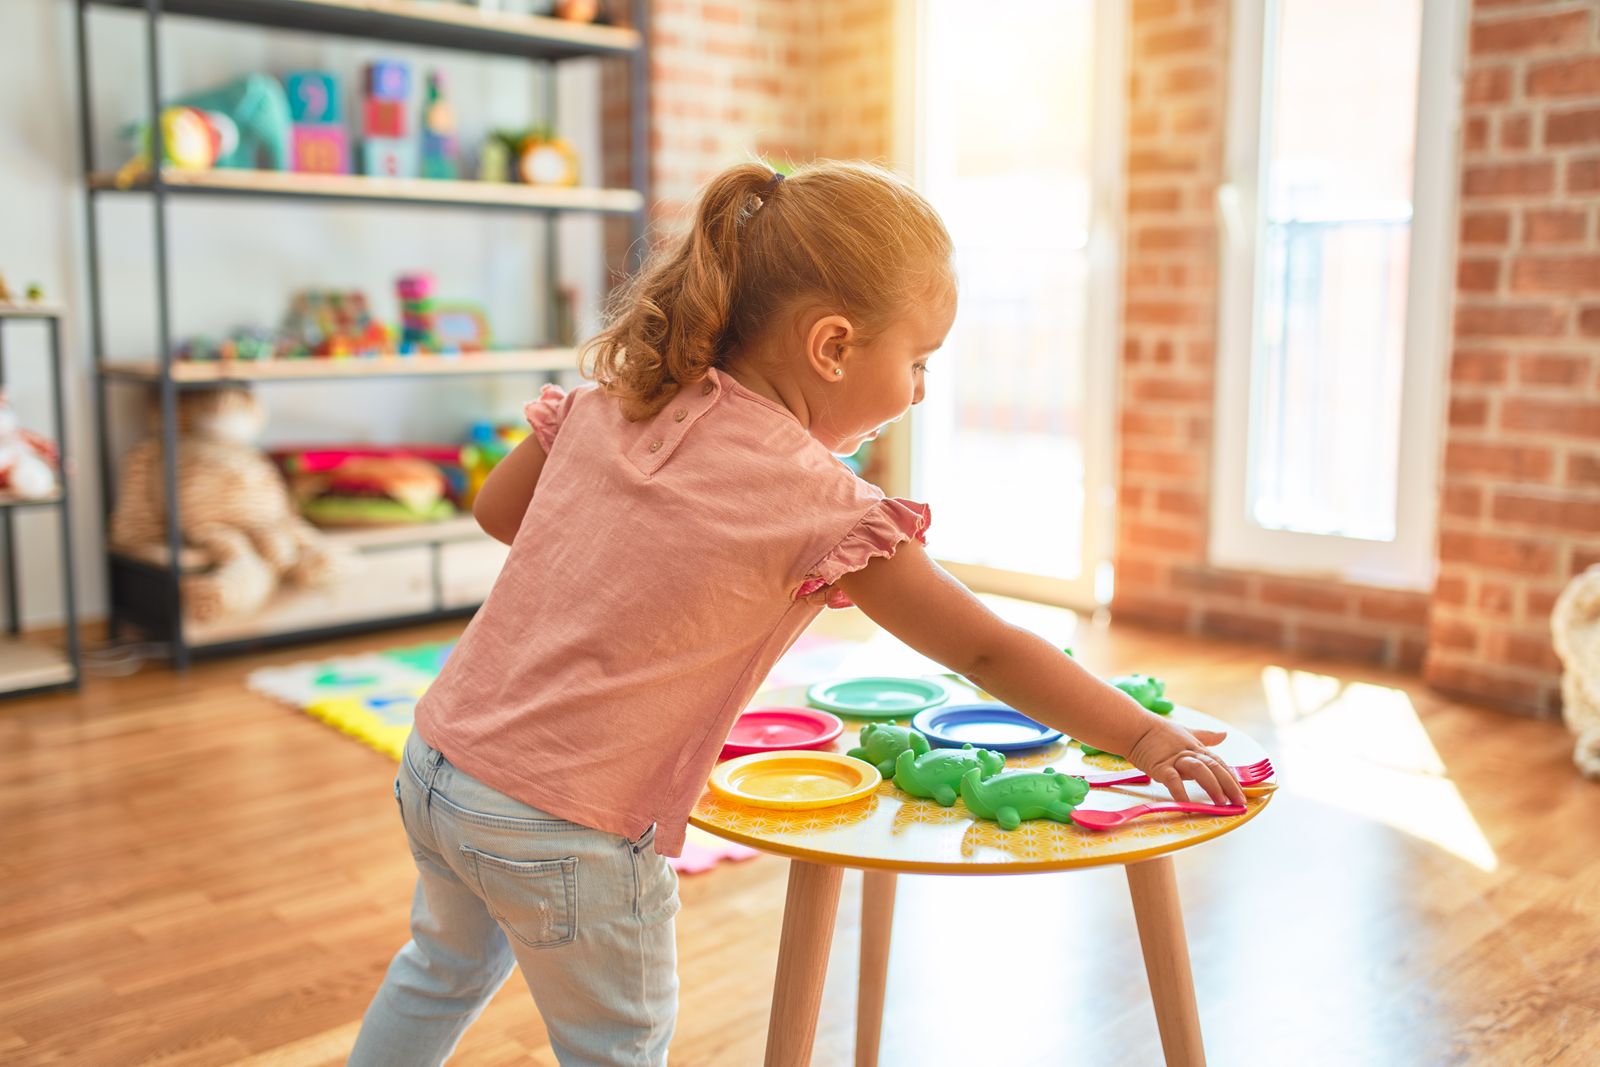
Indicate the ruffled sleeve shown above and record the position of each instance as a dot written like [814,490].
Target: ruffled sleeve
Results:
[887,524]
[545,414]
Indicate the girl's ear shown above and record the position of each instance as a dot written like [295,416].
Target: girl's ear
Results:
[827,342]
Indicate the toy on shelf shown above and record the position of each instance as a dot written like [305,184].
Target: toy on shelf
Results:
[191,139]
[438,131]
[494,161]
[35,292]
[374,485]
[5,291]
[882,744]
[938,774]
[1012,796]
[27,460]
[387,149]
[320,143]
[259,110]
[486,446]
[235,511]
[577,10]
[544,159]
[334,322]
[459,326]
[417,332]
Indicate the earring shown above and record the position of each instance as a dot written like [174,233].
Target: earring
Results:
[838,372]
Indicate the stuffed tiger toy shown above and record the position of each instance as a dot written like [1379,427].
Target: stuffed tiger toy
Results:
[233,508]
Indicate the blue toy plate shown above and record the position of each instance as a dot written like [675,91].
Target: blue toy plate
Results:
[991,726]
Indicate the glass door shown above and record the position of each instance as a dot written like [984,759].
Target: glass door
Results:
[1016,136]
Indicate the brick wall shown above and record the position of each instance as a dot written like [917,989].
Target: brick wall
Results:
[1521,494]
[1175,127]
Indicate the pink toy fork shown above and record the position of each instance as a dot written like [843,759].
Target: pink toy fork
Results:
[1106,820]
[1250,774]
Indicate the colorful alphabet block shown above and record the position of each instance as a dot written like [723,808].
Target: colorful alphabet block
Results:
[320,149]
[313,96]
[389,79]
[388,157]
[383,118]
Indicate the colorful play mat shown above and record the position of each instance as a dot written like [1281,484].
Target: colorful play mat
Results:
[371,697]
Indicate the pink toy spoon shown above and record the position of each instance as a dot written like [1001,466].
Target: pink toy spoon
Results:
[1090,819]
[1250,774]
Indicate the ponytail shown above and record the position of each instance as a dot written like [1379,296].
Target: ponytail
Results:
[851,235]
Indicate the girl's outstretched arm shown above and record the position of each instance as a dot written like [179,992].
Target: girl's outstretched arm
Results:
[919,602]
[503,500]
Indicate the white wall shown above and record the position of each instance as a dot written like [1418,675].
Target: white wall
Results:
[237,262]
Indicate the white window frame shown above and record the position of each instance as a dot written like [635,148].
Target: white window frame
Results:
[1236,540]
[1102,333]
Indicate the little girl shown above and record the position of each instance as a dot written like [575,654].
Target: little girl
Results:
[673,529]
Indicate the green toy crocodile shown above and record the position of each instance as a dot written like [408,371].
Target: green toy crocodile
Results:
[938,774]
[1149,692]
[1013,796]
[882,743]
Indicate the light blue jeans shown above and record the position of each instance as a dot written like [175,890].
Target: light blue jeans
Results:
[588,915]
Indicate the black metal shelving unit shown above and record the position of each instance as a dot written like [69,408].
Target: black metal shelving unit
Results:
[148,595]
[28,666]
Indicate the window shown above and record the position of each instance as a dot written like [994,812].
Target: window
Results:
[1016,118]
[1336,217]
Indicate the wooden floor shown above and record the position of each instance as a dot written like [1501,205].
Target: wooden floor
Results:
[190,874]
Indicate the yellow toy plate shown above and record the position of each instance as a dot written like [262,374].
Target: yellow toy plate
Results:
[795,780]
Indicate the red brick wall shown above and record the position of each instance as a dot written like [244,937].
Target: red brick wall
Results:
[1176,118]
[1521,507]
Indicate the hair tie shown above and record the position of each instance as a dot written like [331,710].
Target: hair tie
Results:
[771,186]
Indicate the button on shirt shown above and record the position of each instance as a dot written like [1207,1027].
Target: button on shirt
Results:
[653,583]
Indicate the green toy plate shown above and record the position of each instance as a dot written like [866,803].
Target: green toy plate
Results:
[877,698]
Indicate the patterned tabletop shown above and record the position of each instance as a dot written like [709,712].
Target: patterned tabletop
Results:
[891,830]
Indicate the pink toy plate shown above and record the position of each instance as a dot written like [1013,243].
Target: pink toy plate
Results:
[775,729]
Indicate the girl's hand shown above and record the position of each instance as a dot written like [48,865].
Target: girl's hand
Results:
[1168,753]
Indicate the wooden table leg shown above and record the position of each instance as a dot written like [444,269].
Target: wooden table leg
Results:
[877,921]
[808,913]
[1154,889]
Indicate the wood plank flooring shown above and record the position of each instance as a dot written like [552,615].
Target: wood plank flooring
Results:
[193,875]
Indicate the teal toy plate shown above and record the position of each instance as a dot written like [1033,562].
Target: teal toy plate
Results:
[877,698]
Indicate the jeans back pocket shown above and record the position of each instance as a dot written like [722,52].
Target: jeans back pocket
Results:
[534,900]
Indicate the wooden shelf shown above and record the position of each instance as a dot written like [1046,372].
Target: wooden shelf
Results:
[285,184]
[25,665]
[9,310]
[11,500]
[435,25]
[206,372]
[363,539]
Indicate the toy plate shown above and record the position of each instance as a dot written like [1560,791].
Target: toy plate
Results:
[795,780]
[773,729]
[991,726]
[878,698]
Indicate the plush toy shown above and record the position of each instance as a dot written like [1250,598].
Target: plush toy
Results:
[233,506]
[27,461]
[1575,624]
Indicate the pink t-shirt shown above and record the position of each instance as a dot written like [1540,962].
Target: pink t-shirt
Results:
[651,587]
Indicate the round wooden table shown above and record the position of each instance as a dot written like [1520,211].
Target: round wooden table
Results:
[891,832]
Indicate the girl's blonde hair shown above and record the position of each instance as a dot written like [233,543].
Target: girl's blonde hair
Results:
[849,236]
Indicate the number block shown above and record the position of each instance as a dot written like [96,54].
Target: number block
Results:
[313,96]
[388,157]
[320,149]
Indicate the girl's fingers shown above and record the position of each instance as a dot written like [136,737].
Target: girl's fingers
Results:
[1198,771]
[1228,780]
[1173,782]
[1209,737]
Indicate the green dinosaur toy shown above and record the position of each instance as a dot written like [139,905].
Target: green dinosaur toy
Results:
[938,774]
[1149,692]
[882,743]
[1013,796]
